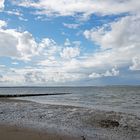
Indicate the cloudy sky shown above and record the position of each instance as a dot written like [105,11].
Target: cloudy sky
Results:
[69,42]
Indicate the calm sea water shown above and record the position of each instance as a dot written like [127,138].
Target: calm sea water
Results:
[122,99]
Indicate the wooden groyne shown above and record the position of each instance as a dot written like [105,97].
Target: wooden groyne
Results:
[28,95]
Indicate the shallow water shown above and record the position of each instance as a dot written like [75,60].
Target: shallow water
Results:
[116,98]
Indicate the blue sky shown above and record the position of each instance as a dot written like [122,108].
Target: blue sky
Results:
[69,42]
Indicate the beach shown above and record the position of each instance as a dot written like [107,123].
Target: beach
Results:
[43,121]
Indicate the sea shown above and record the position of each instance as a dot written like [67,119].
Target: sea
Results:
[108,98]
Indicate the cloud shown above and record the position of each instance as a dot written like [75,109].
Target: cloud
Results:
[8,48]
[118,44]
[15,63]
[112,72]
[14,12]
[67,42]
[17,44]
[9,76]
[22,19]
[50,77]
[37,76]
[123,33]
[118,41]
[84,8]
[48,47]
[1,78]
[50,62]
[71,26]
[70,52]
[1,5]
[71,49]
[44,55]
[3,23]
[136,64]
[22,45]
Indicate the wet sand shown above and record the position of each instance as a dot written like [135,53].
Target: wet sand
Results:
[15,133]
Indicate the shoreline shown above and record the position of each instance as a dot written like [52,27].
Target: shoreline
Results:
[67,121]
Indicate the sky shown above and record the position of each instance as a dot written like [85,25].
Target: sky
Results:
[69,42]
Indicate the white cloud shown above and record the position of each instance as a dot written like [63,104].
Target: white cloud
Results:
[3,23]
[49,63]
[37,76]
[48,47]
[112,72]
[23,46]
[123,33]
[71,26]
[70,52]
[9,76]
[119,44]
[22,19]
[59,63]
[72,43]
[45,55]
[52,63]
[71,49]
[85,7]
[8,44]
[15,63]
[136,64]
[34,77]
[67,42]
[95,75]
[17,44]
[1,5]
[27,45]
[14,12]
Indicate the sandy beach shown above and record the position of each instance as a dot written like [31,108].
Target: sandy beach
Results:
[30,120]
